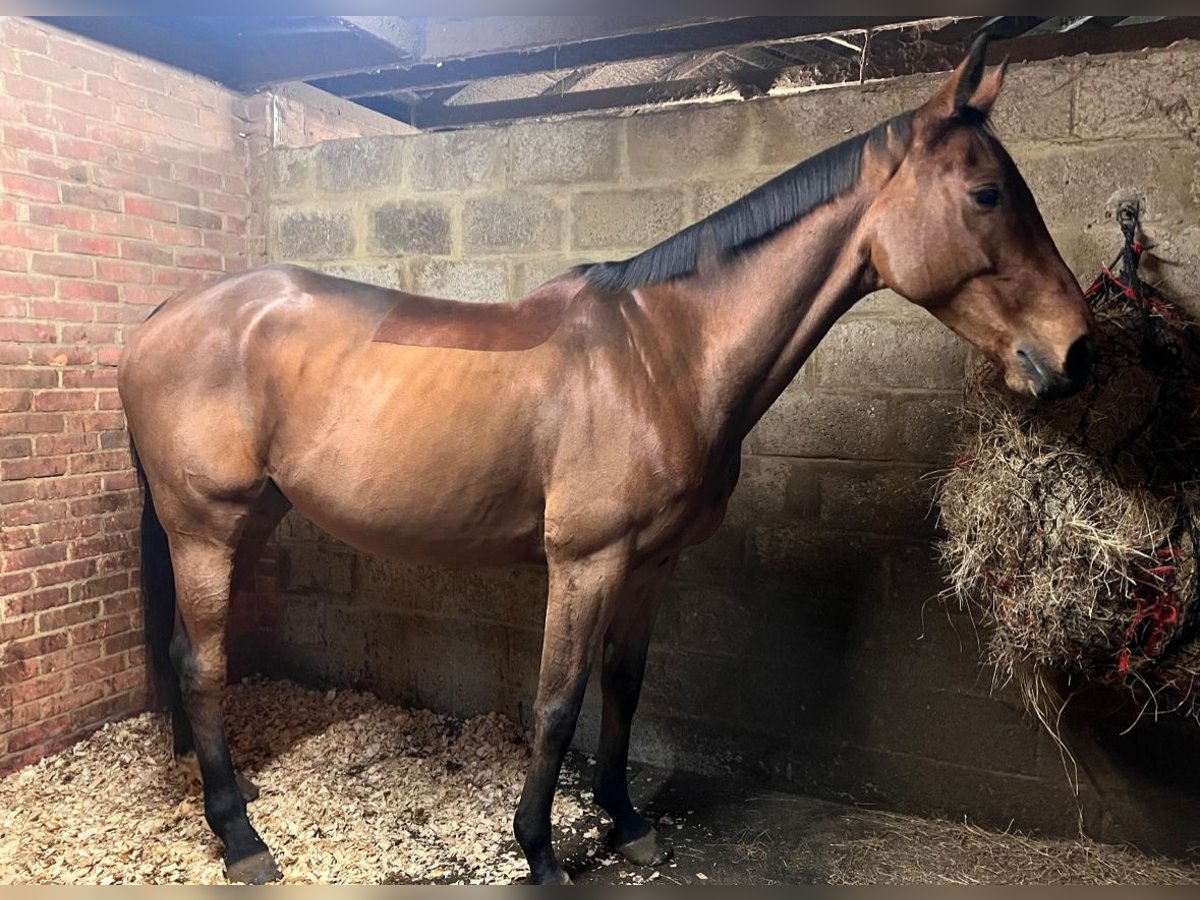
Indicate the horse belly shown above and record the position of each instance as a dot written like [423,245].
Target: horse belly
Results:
[419,454]
[446,506]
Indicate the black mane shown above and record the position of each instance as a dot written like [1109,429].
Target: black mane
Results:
[756,216]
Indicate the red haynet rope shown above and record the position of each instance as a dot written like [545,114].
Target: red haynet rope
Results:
[1158,603]
[1162,612]
[1158,606]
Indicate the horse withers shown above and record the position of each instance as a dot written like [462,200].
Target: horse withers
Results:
[593,426]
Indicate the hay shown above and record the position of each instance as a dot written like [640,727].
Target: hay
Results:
[894,849]
[1073,526]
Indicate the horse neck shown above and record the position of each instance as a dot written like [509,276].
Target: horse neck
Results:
[762,316]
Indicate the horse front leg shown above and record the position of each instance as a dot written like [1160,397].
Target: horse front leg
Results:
[580,605]
[625,647]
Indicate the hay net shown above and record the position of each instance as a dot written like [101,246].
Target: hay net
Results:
[1073,526]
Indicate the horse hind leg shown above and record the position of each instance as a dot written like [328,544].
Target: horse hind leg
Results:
[203,563]
[182,738]
[264,517]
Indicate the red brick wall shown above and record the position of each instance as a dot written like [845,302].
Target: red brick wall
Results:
[120,182]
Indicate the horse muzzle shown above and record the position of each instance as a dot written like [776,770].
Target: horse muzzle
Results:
[1050,382]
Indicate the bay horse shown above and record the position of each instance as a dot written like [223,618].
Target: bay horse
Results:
[593,426]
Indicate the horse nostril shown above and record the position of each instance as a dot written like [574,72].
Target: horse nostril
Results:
[1031,363]
[1079,360]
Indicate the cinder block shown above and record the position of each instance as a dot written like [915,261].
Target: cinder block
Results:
[519,596]
[1137,95]
[464,666]
[633,219]
[693,685]
[510,596]
[927,428]
[290,171]
[690,142]
[316,570]
[456,160]
[867,498]
[762,489]
[459,280]
[1173,262]
[359,164]
[346,635]
[884,353]
[312,235]
[521,674]
[719,560]
[517,222]
[452,593]
[533,273]
[914,628]
[1085,248]
[814,423]
[889,304]
[388,275]
[572,151]
[394,659]
[1035,102]
[917,577]
[718,619]
[710,196]
[820,765]
[297,528]
[1076,185]
[794,128]
[411,227]
[301,622]
[818,569]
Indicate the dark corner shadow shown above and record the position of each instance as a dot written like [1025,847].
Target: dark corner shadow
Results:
[724,831]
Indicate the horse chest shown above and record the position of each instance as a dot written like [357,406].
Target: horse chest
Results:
[689,507]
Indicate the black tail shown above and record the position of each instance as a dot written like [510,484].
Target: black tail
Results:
[158,593]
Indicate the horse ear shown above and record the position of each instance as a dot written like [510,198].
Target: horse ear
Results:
[955,96]
[989,89]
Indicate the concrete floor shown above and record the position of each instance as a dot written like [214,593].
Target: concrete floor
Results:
[723,832]
[727,832]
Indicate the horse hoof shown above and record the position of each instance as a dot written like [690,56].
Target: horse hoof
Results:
[248,788]
[559,877]
[257,869]
[651,849]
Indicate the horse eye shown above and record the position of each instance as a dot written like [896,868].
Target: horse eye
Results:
[986,197]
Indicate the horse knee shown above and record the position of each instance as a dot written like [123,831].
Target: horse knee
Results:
[556,723]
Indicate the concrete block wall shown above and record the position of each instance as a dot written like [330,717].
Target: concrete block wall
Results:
[122,181]
[803,644]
